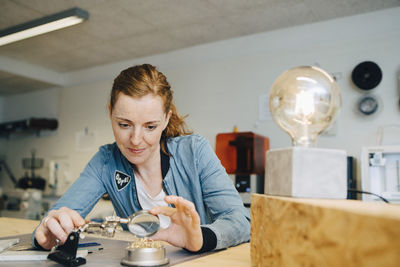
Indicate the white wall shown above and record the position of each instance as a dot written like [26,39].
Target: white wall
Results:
[36,104]
[218,86]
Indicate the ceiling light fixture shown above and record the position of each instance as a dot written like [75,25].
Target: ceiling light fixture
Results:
[43,25]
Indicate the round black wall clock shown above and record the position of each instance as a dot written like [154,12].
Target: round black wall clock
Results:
[366,75]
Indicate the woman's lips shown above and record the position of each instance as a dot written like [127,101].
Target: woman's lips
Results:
[136,150]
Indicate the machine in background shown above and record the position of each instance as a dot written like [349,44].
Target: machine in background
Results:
[25,200]
[351,177]
[243,155]
[380,173]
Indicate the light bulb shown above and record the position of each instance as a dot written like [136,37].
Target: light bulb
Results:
[304,101]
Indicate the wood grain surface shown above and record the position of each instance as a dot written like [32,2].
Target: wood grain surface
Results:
[14,226]
[320,232]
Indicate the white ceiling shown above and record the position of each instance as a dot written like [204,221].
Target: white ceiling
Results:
[126,29]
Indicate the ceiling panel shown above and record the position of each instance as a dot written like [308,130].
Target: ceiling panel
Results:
[10,17]
[199,33]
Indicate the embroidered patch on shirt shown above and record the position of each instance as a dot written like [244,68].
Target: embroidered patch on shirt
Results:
[121,180]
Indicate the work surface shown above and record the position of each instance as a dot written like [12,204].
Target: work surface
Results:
[114,249]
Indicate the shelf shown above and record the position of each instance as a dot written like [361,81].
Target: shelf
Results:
[31,125]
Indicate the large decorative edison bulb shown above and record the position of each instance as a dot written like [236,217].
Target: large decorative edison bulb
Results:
[304,101]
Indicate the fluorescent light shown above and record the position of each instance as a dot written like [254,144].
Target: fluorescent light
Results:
[43,25]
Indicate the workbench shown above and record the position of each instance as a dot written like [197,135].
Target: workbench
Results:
[235,256]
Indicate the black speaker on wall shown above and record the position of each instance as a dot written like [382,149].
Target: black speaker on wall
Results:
[351,177]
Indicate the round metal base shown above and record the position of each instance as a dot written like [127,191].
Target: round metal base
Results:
[145,257]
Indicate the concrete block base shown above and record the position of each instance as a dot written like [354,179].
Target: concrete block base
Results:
[306,172]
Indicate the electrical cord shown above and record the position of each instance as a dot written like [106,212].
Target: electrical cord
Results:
[368,193]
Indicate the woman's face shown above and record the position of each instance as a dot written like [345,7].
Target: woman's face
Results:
[138,123]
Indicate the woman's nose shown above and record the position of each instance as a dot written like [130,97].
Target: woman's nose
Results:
[136,137]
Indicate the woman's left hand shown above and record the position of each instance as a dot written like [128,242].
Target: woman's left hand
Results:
[184,230]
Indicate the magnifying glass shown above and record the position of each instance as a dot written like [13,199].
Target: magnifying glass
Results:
[142,223]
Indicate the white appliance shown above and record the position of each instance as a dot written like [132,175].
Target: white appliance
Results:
[380,173]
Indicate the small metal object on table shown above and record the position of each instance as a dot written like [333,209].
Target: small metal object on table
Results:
[143,224]
[145,257]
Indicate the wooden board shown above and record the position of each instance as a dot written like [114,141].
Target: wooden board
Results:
[14,226]
[317,232]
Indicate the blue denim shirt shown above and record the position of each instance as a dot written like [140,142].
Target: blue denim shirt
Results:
[195,173]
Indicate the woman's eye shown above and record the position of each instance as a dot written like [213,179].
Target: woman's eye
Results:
[151,127]
[123,125]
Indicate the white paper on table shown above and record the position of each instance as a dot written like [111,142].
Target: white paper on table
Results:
[32,255]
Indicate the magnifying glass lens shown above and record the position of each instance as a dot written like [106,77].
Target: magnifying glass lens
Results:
[143,224]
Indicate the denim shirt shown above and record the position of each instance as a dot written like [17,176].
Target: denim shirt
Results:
[195,173]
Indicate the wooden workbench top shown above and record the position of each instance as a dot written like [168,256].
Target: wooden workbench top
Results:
[14,226]
[323,232]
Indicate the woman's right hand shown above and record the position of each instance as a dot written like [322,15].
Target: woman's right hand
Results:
[56,226]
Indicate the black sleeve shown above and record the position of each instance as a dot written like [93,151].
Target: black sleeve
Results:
[209,241]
